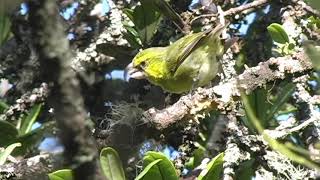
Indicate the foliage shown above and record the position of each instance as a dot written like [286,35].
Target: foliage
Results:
[278,34]
[28,137]
[281,38]
[155,166]
[145,18]
[287,149]
[111,164]
[4,28]
[164,169]
[213,169]
[5,154]
[63,174]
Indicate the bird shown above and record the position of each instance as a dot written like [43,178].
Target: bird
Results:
[7,6]
[190,62]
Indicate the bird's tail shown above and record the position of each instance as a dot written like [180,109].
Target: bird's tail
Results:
[216,31]
[214,37]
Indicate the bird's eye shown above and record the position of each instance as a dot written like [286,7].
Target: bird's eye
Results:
[143,65]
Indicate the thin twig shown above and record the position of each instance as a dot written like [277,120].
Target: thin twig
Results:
[280,134]
[235,10]
[254,4]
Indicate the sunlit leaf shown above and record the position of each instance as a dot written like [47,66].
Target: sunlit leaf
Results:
[213,169]
[147,168]
[5,154]
[132,37]
[198,155]
[277,33]
[129,13]
[30,119]
[111,164]
[314,21]
[163,170]
[63,174]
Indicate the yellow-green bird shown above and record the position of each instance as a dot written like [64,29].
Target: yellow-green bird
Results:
[190,62]
[6,6]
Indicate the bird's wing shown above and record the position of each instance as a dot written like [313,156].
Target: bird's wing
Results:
[187,44]
[182,48]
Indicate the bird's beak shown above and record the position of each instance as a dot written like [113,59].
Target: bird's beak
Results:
[133,72]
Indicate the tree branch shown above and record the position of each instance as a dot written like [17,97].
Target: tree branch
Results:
[36,167]
[224,96]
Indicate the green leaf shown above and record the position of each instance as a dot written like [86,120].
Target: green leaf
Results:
[213,169]
[29,120]
[146,20]
[274,144]
[132,37]
[246,170]
[198,154]
[146,169]
[111,164]
[5,154]
[4,28]
[163,170]
[8,133]
[166,10]
[283,97]
[314,21]
[259,100]
[314,55]
[286,49]
[189,164]
[277,33]
[3,106]
[63,174]
[129,13]
[32,139]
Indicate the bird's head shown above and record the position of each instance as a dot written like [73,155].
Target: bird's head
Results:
[148,63]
